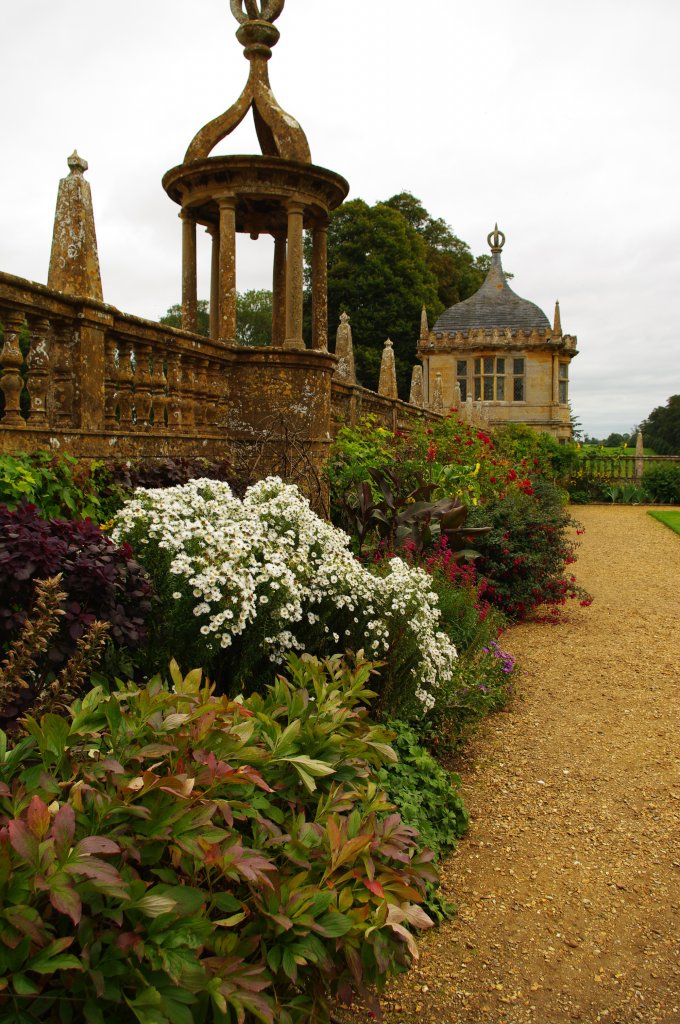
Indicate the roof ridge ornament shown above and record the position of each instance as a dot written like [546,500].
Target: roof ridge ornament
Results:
[496,240]
[278,133]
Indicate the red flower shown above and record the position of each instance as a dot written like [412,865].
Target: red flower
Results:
[432,453]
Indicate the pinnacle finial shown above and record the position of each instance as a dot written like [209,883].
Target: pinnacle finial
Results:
[424,326]
[557,326]
[264,10]
[496,240]
[76,163]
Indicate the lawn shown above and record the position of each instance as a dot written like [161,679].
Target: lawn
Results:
[670,519]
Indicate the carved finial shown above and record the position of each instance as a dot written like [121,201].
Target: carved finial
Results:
[344,351]
[278,133]
[496,240]
[76,163]
[437,403]
[387,385]
[416,396]
[265,10]
[557,327]
[424,326]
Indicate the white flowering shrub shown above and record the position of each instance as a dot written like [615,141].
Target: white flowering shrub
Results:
[242,583]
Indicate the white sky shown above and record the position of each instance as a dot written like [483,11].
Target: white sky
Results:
[560,121]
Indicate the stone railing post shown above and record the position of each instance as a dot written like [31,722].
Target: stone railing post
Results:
[91,366]
[38,362]
[11,361]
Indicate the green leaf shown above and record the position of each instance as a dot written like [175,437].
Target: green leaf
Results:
[333,925]
[24,986]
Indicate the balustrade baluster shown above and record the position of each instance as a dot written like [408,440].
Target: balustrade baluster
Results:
[159,399]
[126,385]
[111,382]
[38,364]
[203,393]
[143,402]
[174,385]
[11,362]
[188,392]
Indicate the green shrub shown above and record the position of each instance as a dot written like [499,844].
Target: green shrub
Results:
[525,557]
[427,795]
[57,485]
[243,583]
[662,482]
[177,858]
[480,685]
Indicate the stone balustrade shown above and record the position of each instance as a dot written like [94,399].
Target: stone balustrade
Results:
[621,467]
[104,378]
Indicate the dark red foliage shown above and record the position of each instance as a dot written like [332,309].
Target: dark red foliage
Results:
[101,581]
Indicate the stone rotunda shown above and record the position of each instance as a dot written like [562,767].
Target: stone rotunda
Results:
[500,350]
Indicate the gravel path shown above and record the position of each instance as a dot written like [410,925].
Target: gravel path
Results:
[568,885]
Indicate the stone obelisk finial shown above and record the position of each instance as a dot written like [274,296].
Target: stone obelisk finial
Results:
[424,326]
[387,385]
[74,262]
[344,350]
[557,326]
[416,396]
[437,404]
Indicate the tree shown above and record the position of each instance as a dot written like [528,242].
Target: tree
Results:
[253,317]
[378,273]
[173,317]
[459,274]
[661,429]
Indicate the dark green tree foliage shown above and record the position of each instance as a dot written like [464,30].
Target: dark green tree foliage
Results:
[457,271]
[253,317]
[661,429]
[173,317]
[378,273]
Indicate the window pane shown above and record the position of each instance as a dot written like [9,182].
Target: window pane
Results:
[518,366]
[478,388]
[518,389]
[488,364]
[488,389]
[564,371]
[461,367]
[563,392]
[463,388]
[500,366]
[478,365]
[500,388]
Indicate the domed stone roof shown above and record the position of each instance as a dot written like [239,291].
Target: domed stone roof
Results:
[495,304]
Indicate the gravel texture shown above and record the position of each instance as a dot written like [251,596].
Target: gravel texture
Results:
[568,885]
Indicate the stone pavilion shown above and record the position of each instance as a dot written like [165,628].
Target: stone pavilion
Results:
[500,350]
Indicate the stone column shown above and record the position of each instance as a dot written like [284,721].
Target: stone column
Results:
[556,379]
[294,279]
[279,291]
[189,287]
[214,233]
[320,288]
[227,273]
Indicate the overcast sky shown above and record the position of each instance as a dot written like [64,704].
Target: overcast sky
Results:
[559,121]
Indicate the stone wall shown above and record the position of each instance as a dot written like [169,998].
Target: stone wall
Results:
[80,376]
